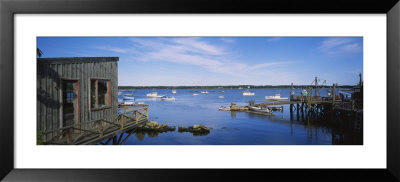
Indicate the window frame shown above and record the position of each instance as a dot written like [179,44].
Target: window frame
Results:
[109,104]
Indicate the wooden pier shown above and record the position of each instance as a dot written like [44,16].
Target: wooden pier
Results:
[131,118]
[311,106]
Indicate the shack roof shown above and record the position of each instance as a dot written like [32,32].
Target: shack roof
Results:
[67,60]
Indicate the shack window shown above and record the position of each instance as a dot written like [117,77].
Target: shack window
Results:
[100,96]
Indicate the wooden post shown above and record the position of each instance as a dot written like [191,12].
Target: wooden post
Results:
[147,113]
[316,86]
[122,121]
[115,140]
[100,129]
[291,92]
[69,138]
[333,94]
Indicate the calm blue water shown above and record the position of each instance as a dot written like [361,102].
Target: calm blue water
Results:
[228,128]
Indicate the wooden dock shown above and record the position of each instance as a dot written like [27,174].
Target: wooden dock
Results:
[315,107]
[102,129]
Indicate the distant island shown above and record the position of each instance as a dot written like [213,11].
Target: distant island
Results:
[230,87]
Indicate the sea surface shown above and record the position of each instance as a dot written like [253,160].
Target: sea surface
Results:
[234,128]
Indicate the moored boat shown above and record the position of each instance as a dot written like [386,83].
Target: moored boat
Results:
[224,108]
[173,91]
[276,97]
[204,92]
[165,98]
[304,93]
[259,109]
[154,95]
[248,93]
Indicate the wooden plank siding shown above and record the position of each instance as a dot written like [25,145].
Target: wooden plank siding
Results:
[50,72]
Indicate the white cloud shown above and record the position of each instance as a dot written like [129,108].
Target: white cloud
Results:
[228,40]
[190,51]
[263,65]
[112,49]
[334,42]
[195,45]
[340,45]
[351,48]
[274,39]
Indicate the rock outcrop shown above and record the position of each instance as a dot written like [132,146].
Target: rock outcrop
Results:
[197,129]
[153,126]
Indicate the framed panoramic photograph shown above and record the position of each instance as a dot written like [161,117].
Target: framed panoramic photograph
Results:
[143,90]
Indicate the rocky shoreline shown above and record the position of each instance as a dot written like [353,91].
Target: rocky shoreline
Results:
[154,126]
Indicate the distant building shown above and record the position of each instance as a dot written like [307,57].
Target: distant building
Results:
[75,92]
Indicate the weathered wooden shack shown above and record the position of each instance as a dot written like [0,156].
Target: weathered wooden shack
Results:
[74,92]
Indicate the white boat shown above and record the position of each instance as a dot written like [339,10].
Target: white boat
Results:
[276,97]
[224,108]
[128,94]
[154,95]
[259,109]
[248,93]
[174,91]
[195,94]
[129,98]
[221,96]
[165,98]
[204,92]
[304,93]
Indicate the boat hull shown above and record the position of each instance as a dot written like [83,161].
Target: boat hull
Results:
[257,109]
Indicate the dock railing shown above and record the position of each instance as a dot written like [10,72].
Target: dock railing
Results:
[101,128]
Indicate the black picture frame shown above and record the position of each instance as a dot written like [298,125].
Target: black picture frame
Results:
[8,8]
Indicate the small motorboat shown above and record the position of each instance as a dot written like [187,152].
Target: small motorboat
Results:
[204,92]
[173,91]
[276,97]
[304,93]
[259,109]
[165,98]
[195,94]
[248,93]
[224,108]
[221,96]
[154,95]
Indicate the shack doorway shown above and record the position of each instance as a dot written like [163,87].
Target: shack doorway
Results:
[70,103]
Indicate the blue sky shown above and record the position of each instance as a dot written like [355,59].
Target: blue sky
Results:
[183,61]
